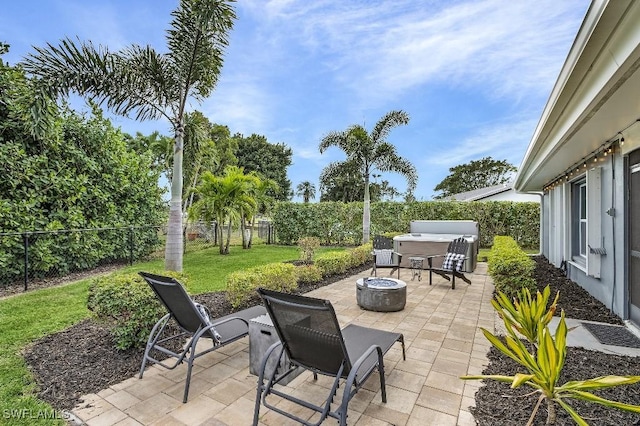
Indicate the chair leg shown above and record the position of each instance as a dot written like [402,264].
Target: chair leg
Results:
[453,281]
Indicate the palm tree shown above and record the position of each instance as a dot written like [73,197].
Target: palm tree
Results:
[306,190]
[370,152]
[138,80]
[227,199]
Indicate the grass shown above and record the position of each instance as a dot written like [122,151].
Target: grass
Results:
[30,316]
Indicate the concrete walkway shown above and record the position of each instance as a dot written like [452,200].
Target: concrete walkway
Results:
[443,340]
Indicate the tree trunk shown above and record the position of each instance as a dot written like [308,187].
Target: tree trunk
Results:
[366,212]
[226,247]
[253,225]
[551,413]
[175,243]
[245,242]
[219,230]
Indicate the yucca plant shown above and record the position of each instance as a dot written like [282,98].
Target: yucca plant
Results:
[525,314]
[544,364]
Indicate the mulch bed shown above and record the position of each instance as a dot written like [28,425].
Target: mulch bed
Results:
[82,360]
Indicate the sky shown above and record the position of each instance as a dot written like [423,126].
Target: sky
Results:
[473,75]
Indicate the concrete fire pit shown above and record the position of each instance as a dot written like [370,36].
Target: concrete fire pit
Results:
[381,294]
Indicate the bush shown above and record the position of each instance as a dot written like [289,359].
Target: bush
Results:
[510,267]
[361,255]
[308,246]
[334,263]
[127,305]
[241,285]
[308,274]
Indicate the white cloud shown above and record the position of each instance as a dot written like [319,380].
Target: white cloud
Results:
[381,49]
[500,141]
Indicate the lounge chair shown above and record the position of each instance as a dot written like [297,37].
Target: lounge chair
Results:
[312,339]
[384,256]
[193,323]
[452,263]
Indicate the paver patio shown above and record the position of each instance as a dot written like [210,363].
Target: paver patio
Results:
[443,340]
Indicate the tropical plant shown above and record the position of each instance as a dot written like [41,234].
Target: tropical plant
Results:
[545,359]
[138,80]
[226,199]
[262,190]
[526,314]
[369,152]
[306,190]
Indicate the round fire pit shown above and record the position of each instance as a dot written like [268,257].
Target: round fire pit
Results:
[381,294]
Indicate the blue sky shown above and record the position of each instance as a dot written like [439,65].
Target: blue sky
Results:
[473,75]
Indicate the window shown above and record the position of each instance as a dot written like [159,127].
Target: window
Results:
[587,244]
[579,221]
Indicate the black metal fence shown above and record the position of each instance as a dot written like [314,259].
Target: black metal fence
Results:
[31,255]
[45,255]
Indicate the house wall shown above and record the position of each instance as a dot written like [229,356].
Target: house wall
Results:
[609,284]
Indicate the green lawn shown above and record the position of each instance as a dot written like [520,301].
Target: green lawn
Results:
[30,316]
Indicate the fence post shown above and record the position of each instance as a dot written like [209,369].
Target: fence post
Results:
[25,239]
[131,245]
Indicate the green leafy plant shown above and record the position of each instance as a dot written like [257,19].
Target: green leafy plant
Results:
[510,267]
[545,359]
[126,304]
[526,314]
[308,274]
[333,263]
[242,285]
[308,246]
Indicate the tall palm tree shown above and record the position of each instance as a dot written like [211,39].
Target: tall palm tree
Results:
[371,152]
[148,85]
[306,190]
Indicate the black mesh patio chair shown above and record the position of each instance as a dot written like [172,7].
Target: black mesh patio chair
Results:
[452,262]
[312,339]
[384,256]
[193,323]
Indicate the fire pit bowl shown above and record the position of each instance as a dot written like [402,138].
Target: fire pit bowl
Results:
[381,294]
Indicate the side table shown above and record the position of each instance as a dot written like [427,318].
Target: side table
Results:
[416,265]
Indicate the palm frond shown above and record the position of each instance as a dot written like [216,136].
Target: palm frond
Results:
[387,123]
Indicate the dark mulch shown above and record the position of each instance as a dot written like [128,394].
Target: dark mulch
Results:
[82,360]
[498,404]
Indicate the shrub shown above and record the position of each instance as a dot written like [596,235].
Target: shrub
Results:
[308,246]
[361,255]
[127,305]
[510,267]
[545,358]
[308,274]
[241,285]
[334,263]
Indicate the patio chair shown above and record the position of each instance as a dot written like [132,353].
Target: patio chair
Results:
[383,255]
[452,263]
[193,323]
[312,339]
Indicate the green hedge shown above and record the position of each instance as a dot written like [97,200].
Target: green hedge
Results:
[510,267]
[341,223]
[241,285]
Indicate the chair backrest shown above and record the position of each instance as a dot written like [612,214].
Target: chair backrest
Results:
[381,242]
[458,246]
[175,298]
[309,331]
[384,257]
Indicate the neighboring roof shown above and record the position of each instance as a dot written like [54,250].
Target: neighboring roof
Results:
[480,193]
[502,192]
[595,97]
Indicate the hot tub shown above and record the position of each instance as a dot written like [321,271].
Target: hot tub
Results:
[429,237]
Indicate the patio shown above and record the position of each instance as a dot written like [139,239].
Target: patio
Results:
[443,341]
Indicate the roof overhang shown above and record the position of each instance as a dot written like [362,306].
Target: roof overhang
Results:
[596,96]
